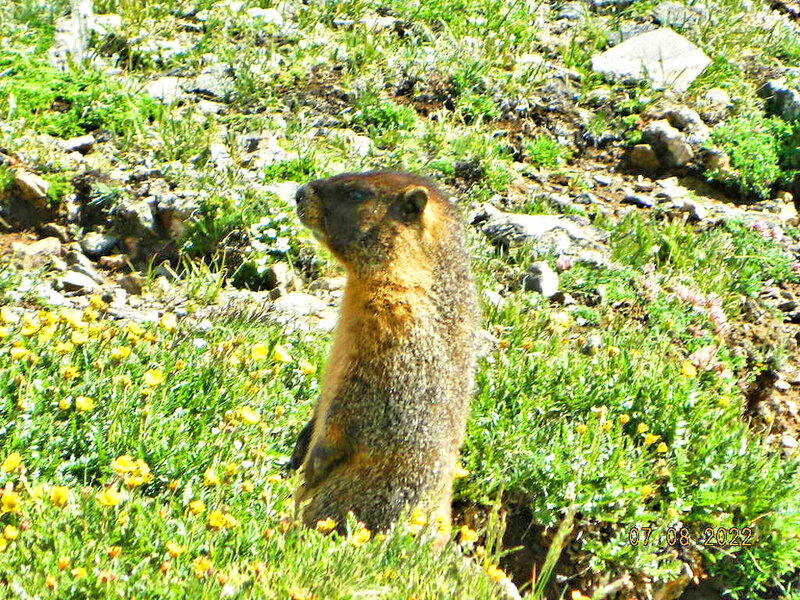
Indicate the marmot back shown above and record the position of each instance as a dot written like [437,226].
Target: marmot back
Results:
[389,423]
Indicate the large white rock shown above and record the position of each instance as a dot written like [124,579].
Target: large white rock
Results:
[663,57]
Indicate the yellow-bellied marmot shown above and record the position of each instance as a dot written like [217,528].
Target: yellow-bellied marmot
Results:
[390,419]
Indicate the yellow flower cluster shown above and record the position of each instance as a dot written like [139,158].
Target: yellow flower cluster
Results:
[134,472]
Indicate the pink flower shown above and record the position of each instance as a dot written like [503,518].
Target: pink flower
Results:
[702,357]
[563,263]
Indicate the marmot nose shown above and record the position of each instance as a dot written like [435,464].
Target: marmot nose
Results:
[302,194]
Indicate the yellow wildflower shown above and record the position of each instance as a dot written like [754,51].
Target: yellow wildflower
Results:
[361,537]
[46,334]
[647,490]
[120,352]
[202,566]
[84,403]
[8,316]
[274,478]
[614,350]
[59,495]
[78,572]
[113,551]
[153,377]
[467,535]
[249,416]
[460,472]
[496,573]
[30,325]
[64,347]
[64,403]
[175,550]
[10,532]
[576,595]
[215,519]
[50,582]
[281,355]
[4,333]
[672,512]
[63,563]
[10,502]
[259,352]
[280,410]
[90,314]
[123,464]
[210,478]
[325,525]
[97,302]
[688,369]
[306,368]
[606,425]
[19,352]
[229,521]
[624,419]
[168,321]
[109,497]
[3,544]
[69,372]
[662,448]
[641,428]
[12,462]
[650,439]
[248,486]
[196,507]
[581,428]
[79,337]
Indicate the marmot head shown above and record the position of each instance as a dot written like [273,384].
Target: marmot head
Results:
[369,219]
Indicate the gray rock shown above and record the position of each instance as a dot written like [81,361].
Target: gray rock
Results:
[36,254]
[168,90]
[284,190]
[716,160]
[783,96]
[787,441]
[675,14]
[689,122]
[266,16]
[568,235]
[214,82]
[485,343]
[207,107]
[51,297]
[594,343]
[96,244]
[572,11]
[697,212]
[603,180]
[268,153]
[55,230]
[298,304]
[328,284]
[81,264]
[669,144]
[663,57]
[80,144]
[135,216]
[540,278]
[280,275]
[639,200]
[643,158]
[717,97]
[493,298]
[73,281]
[71,38]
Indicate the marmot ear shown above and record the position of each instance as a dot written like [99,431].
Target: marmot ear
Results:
[414,200]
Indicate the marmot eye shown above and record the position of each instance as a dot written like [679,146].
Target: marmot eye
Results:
[357,195]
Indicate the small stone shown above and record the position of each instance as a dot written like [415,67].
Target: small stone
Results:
[643,158]
[30,187]
[639,200]
[78,262]
[266,16]
[280,275]
[668,143]
[717,97]
[95,243]
[73,281]
[55,230]
[36,254]
[717,160]
[782,385]
[594,343]
[80,144]
[603,180]
[783,96]
[328,284]
[789,442]
[115,262]
[540,278]
[50,296]
[298,304]
[674,14]
[166,89]
[585,198]
[493,298]
[697,212]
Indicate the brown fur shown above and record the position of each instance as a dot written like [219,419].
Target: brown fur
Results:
[389,423]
